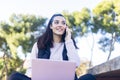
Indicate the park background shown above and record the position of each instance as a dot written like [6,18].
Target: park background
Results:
[22,21]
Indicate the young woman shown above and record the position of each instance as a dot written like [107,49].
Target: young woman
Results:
[55,44]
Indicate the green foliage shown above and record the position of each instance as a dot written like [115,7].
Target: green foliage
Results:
[106,19]
[79,21]
[19,32]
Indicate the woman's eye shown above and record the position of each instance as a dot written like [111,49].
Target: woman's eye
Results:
[63,23]
[56,22]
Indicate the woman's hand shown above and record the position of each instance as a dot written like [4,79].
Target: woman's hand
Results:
[68,33]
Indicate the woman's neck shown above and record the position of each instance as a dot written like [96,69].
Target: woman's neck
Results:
[57,38]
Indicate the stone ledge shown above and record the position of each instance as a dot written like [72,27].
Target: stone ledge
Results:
[110,67]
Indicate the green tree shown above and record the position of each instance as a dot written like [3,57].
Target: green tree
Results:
[79,21]
[21,31]
[106,20]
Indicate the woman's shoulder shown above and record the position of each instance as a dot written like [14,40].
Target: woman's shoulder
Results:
[35,44]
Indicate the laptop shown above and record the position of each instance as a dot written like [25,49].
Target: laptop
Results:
[44,69]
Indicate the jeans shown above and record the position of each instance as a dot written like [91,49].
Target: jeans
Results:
[20,76]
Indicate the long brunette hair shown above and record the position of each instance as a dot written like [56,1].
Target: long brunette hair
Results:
[46,39]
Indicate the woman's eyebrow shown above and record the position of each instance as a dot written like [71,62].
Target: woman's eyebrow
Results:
[55,20]
[59,20]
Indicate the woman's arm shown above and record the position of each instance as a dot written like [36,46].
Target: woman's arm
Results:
[72,52]
[33,55]
[34,51]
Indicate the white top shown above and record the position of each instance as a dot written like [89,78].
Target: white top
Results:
[56,54]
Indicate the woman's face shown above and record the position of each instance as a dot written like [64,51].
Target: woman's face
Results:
[58,25]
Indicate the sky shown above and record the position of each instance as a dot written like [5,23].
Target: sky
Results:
[47,8]
[42,7]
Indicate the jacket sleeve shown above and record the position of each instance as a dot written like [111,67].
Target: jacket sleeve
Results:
[33,55]
[72,52]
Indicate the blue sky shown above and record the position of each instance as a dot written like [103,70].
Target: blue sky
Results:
[48,7]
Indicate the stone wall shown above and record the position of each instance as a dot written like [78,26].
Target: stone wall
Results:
[109,70]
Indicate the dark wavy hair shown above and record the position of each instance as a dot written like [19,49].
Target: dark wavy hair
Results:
[46,39]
